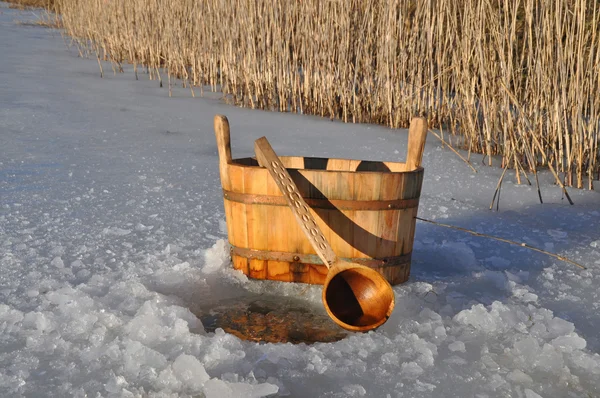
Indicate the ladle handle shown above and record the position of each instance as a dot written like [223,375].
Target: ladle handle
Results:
[267,157]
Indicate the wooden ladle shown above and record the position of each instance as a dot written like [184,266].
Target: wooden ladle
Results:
[356,297]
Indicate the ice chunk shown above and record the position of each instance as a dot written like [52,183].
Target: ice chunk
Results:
[390,358]
[496,382]
[530,394]
[224,348]
[319,364]
[272,356]
[589,363]
[57,250]
[424,387]
[428,314]
[518,376]
[440,332]
[522,293]
[569,343]
[410,370]
[81,324]
[77,264]
[488,361]
[354,390]
[455,359]
[9,318]
[549,360]
[560,327]
[215,388]
[457,346]
[497,319]
[154,323]
[422,287]
[548,274]
[524,352]
[190,372]
[137,355]
[83,274]
[57,262]
[115,231]
[174,277]
[61,297]
[168,381]
[171,248]
[538,330]
[425,350]
[222,226]
[216,257]
[478,317]
[115,384]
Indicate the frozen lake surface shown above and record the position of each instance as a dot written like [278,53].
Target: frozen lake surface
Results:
[112,238]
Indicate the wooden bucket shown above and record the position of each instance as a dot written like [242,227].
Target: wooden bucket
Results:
[366,210]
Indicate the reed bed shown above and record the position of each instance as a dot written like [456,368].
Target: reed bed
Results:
[516,80]
[32,3]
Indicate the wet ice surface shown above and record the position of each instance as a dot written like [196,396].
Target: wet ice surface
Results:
[112,237]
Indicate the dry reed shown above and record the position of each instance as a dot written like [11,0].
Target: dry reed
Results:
[516,79]
[32,3]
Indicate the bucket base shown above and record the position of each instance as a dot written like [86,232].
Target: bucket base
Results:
[308,268]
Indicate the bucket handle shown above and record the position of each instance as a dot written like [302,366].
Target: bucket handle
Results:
[417,133]
[224,146]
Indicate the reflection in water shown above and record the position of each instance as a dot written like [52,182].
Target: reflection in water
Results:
[272,319]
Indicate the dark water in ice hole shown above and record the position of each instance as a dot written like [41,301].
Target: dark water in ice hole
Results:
[271,319]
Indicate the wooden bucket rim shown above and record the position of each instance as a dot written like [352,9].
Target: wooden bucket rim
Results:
[238,163]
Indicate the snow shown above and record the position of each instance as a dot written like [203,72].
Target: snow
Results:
[113,240]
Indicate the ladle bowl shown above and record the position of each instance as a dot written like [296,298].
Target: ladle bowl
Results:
[356,297]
